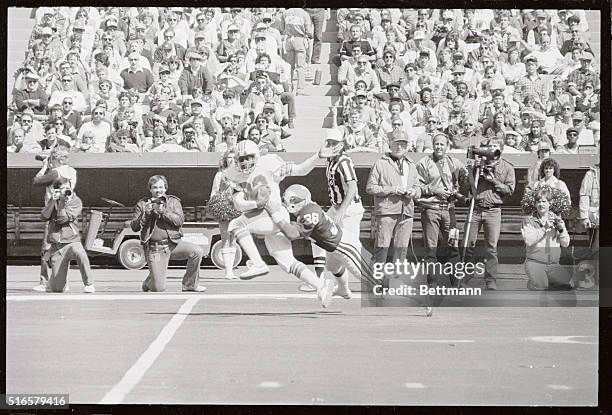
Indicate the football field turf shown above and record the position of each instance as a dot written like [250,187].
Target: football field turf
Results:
[264,342]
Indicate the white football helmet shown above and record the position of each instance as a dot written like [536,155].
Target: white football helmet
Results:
[247,155]
[296,197]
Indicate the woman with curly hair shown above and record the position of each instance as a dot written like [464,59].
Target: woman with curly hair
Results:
[222,208]
[549,176]
[499,126]
[545,233]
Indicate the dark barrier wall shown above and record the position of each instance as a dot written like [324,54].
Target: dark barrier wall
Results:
[124,176]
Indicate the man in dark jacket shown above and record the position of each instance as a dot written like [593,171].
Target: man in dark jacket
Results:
[62,211]
[159,219]
[495,186]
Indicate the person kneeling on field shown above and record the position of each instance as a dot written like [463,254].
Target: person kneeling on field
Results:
[61,212]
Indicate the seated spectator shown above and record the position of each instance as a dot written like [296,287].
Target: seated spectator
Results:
[33,97]
[530,83]
[511,142]
[136,77]
[88,144]
[98,126]
[577,79]
[585,136]
[557,99]
[531,141]
[571,143]
[548,56]
[588,102]
[498,127]
[195,76]
[122,141]
[355,37]
[68,91]
[469,135]
[390,72]
[357,136]
[424,142]
[70,114]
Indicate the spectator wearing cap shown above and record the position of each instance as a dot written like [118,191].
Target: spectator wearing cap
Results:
[571,145]
[174,21]
[390,72]
[449,90]
[231,44]
[33,97]
[169,47]
[110,26]
[297,26]
[136,77]
[237,18]
[495,106]
[79,102]
[424,63]
[576,40]
[260,34]
[511,142]
[51,44]
[543,26]
[394,183]
[379,32]
[536,135]
[531,83]
[585,136]
[100,128]
[418,43]
[196,75]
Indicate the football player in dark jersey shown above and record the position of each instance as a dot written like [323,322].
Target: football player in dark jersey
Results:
[312,222]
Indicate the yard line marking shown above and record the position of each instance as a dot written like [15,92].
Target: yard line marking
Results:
[414,385]
[428,341]
[145,361]
[560,387]
[269,384]
[560,339]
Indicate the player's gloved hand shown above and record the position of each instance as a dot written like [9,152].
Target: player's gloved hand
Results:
[263,195]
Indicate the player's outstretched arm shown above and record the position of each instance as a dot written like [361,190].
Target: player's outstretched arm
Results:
[243,205]
[310,163]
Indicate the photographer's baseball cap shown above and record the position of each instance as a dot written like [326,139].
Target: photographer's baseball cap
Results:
[399,135]
[334,134]
[544,146]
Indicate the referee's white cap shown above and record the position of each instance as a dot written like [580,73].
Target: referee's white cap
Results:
[334,134]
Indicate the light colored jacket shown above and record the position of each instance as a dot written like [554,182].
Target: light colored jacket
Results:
[384,178]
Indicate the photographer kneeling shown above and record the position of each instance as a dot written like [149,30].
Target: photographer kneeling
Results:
[545,233]
[159,219]
[62,211]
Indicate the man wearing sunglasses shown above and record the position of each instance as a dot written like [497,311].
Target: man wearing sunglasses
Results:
[33,132]
[571,147]
[390,73]
[33,96]
[68,94]
[98,125]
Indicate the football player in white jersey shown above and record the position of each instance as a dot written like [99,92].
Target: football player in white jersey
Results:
[259,178]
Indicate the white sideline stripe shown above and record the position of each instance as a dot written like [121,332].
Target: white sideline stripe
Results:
[269,384]
[414,385]
[146,360]
[428,341]
[159,296]
[561,339]
[560,387]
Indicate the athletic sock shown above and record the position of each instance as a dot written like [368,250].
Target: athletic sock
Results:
[303,273]
[245,239]
[228,255]
[319,265]
[343,281]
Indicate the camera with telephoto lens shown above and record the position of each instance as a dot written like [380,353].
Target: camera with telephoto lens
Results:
[66,192]
[558,224]
[483,152]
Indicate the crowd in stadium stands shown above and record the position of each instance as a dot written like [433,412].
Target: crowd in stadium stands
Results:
[140,79]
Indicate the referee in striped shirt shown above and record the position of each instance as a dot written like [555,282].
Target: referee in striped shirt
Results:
[346,209]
